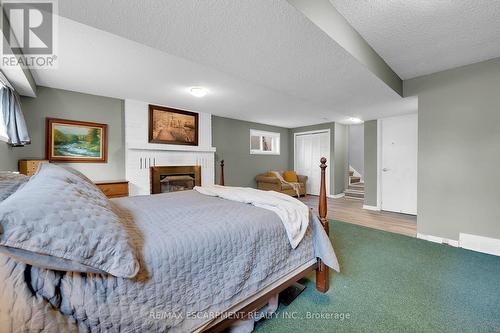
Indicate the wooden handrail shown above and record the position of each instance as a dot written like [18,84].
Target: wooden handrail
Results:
[322,273]
[222,173]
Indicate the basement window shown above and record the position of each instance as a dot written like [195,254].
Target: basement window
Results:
[264,143]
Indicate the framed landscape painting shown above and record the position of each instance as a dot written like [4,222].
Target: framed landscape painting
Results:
[172,126]
[76,141]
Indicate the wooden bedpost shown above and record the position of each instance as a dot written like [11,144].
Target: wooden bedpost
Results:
[322,276]
[222,173]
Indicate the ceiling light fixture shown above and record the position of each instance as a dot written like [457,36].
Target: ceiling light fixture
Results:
[198,91]
[355,120]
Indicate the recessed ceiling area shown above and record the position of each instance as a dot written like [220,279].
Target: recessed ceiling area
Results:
[260,60]
[426,36]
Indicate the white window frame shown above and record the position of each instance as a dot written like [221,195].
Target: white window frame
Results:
[3,130]
[275,142]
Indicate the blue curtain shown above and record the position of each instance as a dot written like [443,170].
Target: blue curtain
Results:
[13,118]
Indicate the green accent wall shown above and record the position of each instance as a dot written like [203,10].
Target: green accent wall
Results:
[56,103]
[459,150]
[370,162]
[231,138]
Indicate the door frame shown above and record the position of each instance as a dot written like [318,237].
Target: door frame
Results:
[330,164]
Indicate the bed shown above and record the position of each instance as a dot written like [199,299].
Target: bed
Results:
[178,262]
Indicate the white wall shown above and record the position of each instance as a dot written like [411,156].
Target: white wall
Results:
[140,155]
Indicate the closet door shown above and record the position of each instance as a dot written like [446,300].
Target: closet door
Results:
[309,148]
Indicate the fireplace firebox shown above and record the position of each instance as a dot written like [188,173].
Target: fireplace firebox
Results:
[165,179]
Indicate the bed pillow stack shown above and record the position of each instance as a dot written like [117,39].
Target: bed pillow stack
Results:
[60,220]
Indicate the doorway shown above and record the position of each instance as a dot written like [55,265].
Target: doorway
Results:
[398,164]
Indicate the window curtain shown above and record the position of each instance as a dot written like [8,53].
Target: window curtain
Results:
[14,124]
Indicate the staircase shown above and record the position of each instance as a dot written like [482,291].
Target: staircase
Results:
[356,189]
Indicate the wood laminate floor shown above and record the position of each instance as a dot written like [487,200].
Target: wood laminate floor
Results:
[351,211]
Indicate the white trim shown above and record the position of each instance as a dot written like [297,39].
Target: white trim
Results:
[312,132]
[329,162]
[467,241]
[167,147]
[439,240]
[276,142]
[379,164]
[374,208]
[336,196]
[480,244]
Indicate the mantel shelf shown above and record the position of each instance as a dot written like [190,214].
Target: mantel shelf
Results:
[162,147]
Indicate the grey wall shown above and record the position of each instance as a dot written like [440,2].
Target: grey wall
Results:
[341,158]
[357,147]
[232,139]
[459,150]
[338,153]
[74,106]
[370,162]
[7,160]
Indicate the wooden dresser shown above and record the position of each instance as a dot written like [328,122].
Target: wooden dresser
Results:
[114,189]
[29,167]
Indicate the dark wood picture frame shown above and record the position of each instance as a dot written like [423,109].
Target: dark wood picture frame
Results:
[152,139]
[49,144]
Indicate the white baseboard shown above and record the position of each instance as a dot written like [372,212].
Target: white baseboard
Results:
[480,244]
[436,239]
[368,207]
[337,196]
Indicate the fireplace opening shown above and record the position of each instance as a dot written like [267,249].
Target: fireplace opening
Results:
[165,179]
[174,183]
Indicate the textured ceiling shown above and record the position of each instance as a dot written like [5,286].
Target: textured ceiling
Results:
[426,36]
[262,60]
[100,63]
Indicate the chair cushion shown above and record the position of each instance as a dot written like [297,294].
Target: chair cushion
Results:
[291,176]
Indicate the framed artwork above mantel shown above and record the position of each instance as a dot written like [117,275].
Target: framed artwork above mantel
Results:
[76,141]
[172,126]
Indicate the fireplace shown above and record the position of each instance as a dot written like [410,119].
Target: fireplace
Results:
[165,179]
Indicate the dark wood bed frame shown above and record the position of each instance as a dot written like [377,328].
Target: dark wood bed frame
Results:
[322,271]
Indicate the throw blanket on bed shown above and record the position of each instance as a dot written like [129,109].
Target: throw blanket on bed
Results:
[295,186]
[293,213]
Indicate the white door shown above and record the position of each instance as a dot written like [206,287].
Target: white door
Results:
[309,148]
[399,136]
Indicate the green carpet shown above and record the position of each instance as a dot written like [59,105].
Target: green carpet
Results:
[394,283]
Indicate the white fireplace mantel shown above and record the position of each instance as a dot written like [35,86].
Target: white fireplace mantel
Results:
[140,155]
[163,147]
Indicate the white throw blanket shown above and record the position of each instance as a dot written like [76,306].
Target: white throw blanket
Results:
[293,213]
